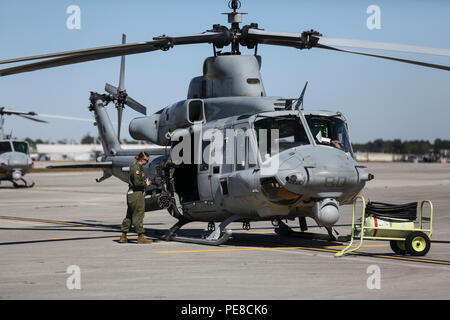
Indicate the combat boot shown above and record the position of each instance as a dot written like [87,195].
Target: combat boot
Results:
[142,240]
[123,238]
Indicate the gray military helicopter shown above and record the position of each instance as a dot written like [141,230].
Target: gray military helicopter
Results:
[15,159]
[281,161]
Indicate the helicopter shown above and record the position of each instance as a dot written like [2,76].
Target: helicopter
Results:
[15,159]
[281,161]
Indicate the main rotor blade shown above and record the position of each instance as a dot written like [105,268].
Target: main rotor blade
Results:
[74,52]
[78,56]
[33,119]
[5,111]
[54,116]
[111,52]
[298,40]
[419,63]
[362,44]
[308,40]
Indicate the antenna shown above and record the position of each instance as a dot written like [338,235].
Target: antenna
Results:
[234,4]
[300,99]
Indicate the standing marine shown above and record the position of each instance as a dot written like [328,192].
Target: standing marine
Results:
[137,183]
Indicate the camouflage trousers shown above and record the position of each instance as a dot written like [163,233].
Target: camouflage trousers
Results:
[135,213]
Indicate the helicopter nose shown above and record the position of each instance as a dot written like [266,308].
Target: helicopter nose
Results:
[18,160]
[321,172]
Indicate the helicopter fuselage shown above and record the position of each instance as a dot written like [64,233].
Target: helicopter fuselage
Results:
[239,174]
[15,160]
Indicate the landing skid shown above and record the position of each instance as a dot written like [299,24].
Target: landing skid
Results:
[215,238]
[284,230]
[25,184]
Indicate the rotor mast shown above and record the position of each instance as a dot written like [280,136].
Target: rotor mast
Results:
[235,18]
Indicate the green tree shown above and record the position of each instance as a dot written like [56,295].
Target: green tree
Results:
[87,139]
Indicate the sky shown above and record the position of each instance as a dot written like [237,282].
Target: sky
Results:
[379,98]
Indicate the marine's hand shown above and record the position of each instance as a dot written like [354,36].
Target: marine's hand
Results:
[148,182]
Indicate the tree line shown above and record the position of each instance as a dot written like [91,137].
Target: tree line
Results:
[397,146]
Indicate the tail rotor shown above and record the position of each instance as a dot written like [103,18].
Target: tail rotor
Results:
[120,97]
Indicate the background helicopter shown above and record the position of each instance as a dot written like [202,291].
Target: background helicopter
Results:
[231,88]
[15,159]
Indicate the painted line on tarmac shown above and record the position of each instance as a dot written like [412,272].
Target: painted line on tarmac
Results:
[429,261]
[251,249]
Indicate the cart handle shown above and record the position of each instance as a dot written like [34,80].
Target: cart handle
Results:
[431,216]
[361,237]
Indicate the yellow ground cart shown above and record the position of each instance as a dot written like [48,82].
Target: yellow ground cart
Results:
[402,233]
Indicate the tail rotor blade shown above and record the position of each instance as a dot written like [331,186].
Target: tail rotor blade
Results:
[122,67]
[111,90]
[119,119]
[133,104]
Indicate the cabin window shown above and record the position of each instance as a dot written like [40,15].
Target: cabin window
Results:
[224,185]
[228,151]
[253,81]
[240,142]
[252,151]
[5,147]
[277,134]
[195,111]
[332,131]
[20,147]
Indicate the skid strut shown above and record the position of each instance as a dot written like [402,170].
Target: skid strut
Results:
[25,184]
[217,237]
[284,230]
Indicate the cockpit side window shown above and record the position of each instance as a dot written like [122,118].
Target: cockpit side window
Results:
[331,131]
[5,146]
[20,147]
[277,134]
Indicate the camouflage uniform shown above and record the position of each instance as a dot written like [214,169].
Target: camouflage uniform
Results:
[135,200]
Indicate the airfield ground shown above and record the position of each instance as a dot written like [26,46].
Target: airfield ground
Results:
[69,219]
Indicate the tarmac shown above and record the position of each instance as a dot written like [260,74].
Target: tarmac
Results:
[68,219]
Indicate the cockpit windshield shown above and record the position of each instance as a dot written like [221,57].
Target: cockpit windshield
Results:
[331,131]
[20,146]
[5,146]
[277,134]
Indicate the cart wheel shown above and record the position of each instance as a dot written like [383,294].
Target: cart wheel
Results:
[398,247]
[417,243]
